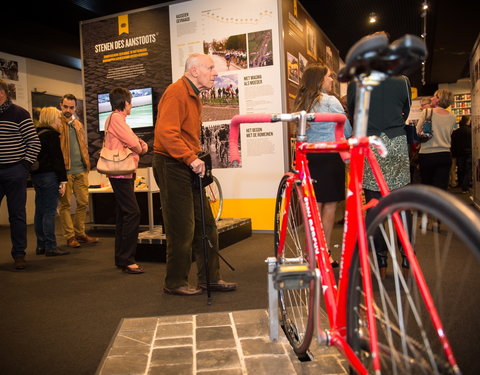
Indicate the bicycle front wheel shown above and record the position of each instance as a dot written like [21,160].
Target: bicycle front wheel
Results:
[296,305]
[215,197]
[445,235]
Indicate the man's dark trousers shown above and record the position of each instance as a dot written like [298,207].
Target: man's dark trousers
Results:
[181,210]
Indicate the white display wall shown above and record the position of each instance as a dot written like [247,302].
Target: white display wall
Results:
[209,27]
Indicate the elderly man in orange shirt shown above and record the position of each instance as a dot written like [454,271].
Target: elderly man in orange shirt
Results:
[176,147]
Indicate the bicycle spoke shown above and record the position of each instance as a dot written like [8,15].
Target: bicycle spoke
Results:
[296,305]
[408,338]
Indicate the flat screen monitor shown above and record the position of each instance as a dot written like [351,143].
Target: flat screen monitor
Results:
[141,115]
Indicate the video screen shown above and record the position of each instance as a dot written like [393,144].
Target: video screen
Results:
[141,115]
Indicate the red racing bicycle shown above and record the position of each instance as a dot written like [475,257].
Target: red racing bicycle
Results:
[421,316]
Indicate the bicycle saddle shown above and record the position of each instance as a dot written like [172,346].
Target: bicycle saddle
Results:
[373,53]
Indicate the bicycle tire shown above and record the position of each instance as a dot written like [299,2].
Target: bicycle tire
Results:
[408,341]
[296,306]
[215,197]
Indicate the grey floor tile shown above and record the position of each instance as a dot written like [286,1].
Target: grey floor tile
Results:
[261,346]
[250,316]
[175,341]
[129,350]
[217,359]
[172,356]
[174,330]
[216,348]
[213,319]
[215,338]
[139,324]
[233,371]
[131,365]
[252,330]
[175,319]
[324,365]
[178,369]
[275,364]
[133,338]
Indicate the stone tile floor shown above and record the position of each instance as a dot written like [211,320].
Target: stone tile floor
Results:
[227,343]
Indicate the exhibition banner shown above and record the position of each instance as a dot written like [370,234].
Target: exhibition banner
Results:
[304,43]
[243,41]
[129,50]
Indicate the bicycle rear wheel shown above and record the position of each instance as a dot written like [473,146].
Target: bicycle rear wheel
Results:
[296,306]
[445,235]
[215,197]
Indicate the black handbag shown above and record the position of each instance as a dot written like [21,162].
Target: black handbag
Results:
[411,132]
[207,179]
[427,132]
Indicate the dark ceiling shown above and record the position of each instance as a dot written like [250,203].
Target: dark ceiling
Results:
[49,30]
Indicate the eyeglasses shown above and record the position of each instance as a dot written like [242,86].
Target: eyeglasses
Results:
[72,107]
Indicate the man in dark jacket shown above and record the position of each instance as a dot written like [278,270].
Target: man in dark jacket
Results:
[462,151]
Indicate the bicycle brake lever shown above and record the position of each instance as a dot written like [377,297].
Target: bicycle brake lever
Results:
[379,145]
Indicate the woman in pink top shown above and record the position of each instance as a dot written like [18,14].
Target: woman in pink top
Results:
[118,134]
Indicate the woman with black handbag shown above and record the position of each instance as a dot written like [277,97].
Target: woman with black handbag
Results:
[119,135]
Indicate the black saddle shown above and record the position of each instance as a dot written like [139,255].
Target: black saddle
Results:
[374,53]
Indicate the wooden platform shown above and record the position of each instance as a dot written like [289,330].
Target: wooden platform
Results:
[152,244]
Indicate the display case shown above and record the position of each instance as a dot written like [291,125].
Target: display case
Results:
[102,202]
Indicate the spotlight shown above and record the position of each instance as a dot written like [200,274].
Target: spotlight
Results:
[372,18]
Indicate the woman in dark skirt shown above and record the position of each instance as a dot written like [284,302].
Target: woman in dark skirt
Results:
[326,169]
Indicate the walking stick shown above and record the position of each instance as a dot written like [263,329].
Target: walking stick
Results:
[205,242]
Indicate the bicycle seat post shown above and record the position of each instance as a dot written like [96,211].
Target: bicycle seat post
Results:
[365,84]
[301,117]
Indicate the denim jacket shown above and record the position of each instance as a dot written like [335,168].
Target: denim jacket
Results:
[325,131]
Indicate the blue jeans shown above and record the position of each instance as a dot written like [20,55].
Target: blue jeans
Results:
[46,202]
[13,185]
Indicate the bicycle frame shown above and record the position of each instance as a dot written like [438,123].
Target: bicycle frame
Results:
[336,295]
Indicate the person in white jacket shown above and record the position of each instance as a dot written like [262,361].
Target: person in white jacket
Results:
[118,135]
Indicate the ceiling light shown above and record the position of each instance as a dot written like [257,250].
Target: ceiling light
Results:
[372,18]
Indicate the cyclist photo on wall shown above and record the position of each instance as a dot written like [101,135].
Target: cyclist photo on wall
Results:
[215,140]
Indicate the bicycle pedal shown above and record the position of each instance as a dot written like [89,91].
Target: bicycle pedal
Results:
[292,276]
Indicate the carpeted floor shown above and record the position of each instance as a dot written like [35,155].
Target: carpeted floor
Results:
[59,315]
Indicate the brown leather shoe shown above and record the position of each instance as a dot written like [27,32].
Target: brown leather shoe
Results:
[219,286]
[186,290]
[72,242]
[20,263]
[86,239]
[133,270]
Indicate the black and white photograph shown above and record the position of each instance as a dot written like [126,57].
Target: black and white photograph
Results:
[8,69]
[292,67]
[302,64]
[216,142]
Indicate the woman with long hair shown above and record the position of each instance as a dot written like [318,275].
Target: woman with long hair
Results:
[49,180]
[327,169]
